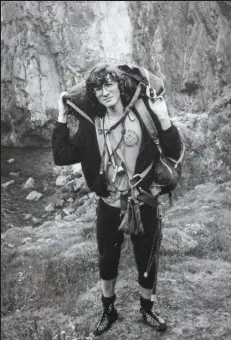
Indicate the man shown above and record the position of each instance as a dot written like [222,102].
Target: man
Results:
[111,153]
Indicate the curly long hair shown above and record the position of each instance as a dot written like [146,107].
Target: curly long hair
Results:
[99,76]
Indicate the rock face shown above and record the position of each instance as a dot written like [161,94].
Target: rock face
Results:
[47,47]
[207,138]
[188,44]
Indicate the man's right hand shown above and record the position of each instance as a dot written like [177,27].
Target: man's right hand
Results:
[62,118]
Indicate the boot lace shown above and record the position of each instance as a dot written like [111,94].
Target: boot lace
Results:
[153,318]
[104,320]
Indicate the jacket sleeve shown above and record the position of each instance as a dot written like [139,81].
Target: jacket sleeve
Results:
[170,142]
[66,151]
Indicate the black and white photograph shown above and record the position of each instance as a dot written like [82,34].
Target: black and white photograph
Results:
[115,170]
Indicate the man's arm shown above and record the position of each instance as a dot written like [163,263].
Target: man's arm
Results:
[168,135]
[170,142]
[66,152]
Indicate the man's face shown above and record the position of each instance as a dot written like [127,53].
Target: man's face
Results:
[108,94]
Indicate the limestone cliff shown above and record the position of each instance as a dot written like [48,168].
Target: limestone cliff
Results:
[47,46]
[188,44]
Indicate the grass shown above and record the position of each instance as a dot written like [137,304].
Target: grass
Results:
[51,289]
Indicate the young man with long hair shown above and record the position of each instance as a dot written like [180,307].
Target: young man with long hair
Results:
[108,162]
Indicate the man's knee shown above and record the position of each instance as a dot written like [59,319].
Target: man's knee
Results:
[146,282]
[109,259]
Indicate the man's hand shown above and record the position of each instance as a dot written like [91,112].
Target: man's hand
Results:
[159,107]
[62,118]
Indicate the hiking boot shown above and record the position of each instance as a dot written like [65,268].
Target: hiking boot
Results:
[154,320]
[108,317]
[151,318]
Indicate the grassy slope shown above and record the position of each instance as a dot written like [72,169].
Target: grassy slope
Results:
[51,290]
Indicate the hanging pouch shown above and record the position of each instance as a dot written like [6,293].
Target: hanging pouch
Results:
[132,223]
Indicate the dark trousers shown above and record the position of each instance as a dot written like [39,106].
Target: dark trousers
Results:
[110,240]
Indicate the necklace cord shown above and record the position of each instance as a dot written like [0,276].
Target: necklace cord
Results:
[122,121]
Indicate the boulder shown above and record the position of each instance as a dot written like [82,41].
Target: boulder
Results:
[6,184]
[58,217]
[69,218]
[77,169]
[14,174]
[60,203]
[50,207]
[28,184]
[61,181]
[36,220]
[68,210]
[34,196]
[27,217]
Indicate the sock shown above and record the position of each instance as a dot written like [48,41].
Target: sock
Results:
[107,301]
[146,304]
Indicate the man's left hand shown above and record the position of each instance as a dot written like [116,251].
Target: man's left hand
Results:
[159,107]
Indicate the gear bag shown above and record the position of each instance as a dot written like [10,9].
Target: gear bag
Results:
[166,170]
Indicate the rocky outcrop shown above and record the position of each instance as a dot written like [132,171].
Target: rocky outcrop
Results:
[187,43]
[207,138]
[46,47]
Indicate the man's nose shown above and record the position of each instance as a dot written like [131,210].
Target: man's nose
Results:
[104,91]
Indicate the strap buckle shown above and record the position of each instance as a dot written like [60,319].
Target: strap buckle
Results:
[151,93]
[114,174]
[137,179]
[160,210]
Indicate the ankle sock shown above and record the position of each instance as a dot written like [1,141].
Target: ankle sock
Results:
[146,304]
[107,301]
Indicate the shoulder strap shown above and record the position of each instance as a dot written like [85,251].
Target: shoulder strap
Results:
[152,130]
[80,111]
[148,122]
[99,134]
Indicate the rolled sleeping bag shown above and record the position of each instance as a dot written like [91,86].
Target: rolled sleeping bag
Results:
[76,98]
[136,73]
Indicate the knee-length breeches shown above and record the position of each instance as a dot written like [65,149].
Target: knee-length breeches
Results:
[110,240]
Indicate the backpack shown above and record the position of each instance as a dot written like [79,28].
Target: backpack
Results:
[166,171]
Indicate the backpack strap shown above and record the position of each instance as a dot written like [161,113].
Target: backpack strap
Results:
[76,108]
[148,122]
[126,112]
[152,130]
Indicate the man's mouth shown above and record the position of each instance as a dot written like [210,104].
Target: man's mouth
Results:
[107,99]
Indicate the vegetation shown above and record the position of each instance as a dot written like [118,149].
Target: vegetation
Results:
[51,289]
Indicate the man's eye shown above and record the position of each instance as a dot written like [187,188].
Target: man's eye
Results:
[109,84]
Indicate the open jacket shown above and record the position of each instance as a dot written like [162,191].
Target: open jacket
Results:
[83,148]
